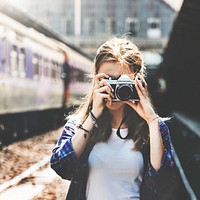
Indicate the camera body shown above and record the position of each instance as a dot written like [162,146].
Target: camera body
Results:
[124,89]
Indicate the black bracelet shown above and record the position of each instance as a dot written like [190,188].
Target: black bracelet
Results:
[94,119]
[85,130]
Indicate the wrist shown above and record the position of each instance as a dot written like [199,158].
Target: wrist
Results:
[93,117]
[95,112]
[152,119]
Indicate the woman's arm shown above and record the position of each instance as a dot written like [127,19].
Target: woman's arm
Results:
[63,158]
[69,148]
[161,183]
[161,159]
[146,111]
[80,139]
[156,144]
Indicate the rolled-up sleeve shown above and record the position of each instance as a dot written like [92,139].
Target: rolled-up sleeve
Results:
[63,158]
[167,160]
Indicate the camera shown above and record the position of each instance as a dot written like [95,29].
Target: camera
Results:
[124,89]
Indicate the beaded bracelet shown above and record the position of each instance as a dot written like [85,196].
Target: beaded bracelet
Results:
[94,119]
[85,130]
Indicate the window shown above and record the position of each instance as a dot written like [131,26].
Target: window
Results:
[49,66]
[40,63]
[44,68]
[109,25]
[58,71]
[53,70]
[66,26]
[132,25]
[88,26]
[22,66]
[0,55]
[4,60]
[153,30]
[13,61]
[36,71]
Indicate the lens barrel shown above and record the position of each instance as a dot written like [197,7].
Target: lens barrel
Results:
[124,92]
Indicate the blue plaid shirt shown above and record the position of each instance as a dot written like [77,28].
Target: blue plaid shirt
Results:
[64,159]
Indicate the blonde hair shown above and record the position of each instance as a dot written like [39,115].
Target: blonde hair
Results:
[121,50]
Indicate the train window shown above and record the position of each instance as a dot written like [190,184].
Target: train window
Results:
[22,66]
[53,70]
[4,60]
[40,63]
[3,50]
[0,54]
[58,71]
[48,64]
[13,61]
[36,71]
[57,66]
[44,68]
[77,75]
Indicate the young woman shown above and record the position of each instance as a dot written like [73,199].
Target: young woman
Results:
[114,149]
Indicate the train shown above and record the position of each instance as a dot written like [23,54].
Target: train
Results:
[33,90]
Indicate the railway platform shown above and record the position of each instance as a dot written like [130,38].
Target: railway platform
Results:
[25,171]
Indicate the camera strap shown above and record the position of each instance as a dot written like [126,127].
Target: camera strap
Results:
[118,130]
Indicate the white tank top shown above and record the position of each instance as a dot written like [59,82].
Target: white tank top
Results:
[115,170]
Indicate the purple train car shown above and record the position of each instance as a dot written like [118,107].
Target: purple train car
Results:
[32,92]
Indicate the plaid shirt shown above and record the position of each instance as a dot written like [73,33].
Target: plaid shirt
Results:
[65,162]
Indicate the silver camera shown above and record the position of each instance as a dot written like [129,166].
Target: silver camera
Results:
[124,89]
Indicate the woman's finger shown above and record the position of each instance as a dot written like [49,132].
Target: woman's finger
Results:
[103,82]
[98,77]
[140,89]
[106,89]
[144,83]
[100,97]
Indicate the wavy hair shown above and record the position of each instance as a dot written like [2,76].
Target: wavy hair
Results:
[121,50]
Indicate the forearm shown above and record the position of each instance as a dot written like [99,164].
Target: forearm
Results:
[156,144]
[80,139]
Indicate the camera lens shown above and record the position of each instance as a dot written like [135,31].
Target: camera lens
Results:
[124,92]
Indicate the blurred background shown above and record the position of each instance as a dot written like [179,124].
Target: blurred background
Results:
[89,23]
[46,54]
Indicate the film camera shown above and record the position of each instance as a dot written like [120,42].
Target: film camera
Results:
[124,89]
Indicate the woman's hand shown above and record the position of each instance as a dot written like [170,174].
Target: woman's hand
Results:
[144,107]
[101,91]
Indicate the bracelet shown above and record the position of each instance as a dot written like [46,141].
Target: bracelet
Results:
[94,119]
[154,119]
[85,130]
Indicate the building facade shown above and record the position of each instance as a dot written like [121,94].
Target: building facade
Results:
[87,23]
